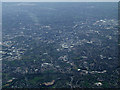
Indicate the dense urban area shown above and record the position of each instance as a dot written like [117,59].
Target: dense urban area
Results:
[60,45]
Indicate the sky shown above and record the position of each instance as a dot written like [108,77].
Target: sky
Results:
[59,0]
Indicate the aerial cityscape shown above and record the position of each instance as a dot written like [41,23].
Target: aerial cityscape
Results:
[60,45]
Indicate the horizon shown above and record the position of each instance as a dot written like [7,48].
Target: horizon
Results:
[60,1]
